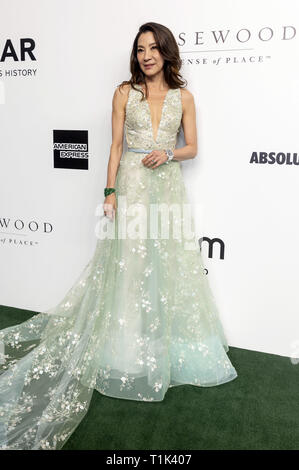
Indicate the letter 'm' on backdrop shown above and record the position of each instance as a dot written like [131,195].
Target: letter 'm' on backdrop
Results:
[60,63]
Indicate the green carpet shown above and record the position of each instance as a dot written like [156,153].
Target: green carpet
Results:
[257,410]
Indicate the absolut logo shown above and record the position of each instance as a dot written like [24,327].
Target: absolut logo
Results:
[70,149]
[272,158]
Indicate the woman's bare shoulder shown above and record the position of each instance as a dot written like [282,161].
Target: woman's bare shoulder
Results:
[187,95]
[121,94]
[123,89]
[187,98]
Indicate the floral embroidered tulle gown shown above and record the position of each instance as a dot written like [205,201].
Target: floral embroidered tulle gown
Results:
[139,319]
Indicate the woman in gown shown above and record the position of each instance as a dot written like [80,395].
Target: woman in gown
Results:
[141,317]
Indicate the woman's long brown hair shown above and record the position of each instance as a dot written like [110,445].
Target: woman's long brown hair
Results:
[169,50]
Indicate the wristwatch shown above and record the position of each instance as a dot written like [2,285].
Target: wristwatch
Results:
[169,154]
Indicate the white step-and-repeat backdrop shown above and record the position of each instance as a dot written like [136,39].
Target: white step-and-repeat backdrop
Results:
[60,62]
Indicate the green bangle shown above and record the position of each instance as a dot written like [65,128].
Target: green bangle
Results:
[108,191]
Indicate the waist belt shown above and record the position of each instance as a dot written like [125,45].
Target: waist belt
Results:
[131,149]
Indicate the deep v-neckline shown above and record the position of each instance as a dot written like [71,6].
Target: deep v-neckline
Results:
[161,115]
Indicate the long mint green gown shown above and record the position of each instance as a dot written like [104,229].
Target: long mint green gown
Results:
[141,317]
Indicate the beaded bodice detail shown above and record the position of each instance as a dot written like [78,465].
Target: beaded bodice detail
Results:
[138,123]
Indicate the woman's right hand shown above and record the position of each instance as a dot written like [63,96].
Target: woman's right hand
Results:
[110,205]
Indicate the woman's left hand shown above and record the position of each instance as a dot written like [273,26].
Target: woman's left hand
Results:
[155,159]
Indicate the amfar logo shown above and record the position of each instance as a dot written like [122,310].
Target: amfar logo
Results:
[243,35]
[18,52]
[271,158]
[70,149]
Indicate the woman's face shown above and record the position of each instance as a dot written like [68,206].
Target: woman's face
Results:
[148,54]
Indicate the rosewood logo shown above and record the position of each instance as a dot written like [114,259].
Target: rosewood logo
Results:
[241,36]
[20,225]
[70,149]
[17,232]
[233,45]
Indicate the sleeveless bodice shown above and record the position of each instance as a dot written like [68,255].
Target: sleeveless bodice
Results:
[138,123]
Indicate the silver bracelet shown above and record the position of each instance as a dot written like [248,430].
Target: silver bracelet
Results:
[169,154]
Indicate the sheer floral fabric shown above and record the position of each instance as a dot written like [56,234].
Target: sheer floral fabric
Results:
[140,318]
